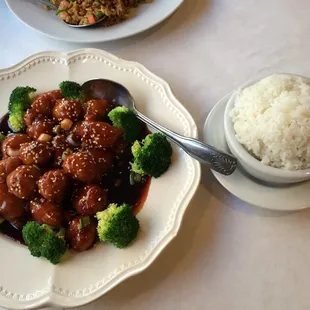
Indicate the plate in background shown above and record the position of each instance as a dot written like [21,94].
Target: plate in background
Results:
[46,22]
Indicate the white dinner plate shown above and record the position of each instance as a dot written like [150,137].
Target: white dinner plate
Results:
[243,186]
[29,282]
[144,17]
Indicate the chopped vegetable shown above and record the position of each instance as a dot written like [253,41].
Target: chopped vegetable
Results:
[66,153]
[84,221]
[99,14]
[2,137]
[134,178]
[44,137]
[57,130]
[91,19]
[66,124]
[61,10]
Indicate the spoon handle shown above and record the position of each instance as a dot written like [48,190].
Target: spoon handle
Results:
[206,154]
[49,4]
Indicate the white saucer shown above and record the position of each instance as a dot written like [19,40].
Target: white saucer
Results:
[243,186]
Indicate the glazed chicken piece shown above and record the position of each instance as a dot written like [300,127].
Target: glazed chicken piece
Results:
[30,116]
[44,104]
[46,212]
[53,185]
[40,126]
[35,153]
[11,207]
[82,167]
[22,182]
[81,235]
[90,200]
[7,165]
[67,109]
[103,158]
[11,144]
[100,135]
[42,107]
[97,110]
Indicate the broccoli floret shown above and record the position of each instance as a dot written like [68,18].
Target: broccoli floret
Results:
[43,241]
[71,90]
[125,119]
[20,101]
[53,248]
[16,118]
[117,225]
[151,157]
[22,96]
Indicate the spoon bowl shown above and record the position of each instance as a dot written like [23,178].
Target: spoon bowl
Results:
[119,95]
[110,91]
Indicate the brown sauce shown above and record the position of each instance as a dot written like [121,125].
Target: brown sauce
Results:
[12,232]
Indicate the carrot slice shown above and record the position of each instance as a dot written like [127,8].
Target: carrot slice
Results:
[91,19]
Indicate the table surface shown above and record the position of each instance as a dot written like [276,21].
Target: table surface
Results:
[228,255]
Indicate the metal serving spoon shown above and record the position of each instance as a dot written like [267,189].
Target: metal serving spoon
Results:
[105,89]
[54,7]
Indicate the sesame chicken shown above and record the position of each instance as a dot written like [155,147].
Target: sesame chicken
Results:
[35,153]
[90,200]
[68,164]
[11,207]
[100,135]
[43,104]
[11,144]
[81,239]
[7,165]
[53,185]
[22,182]
[40,126]
[70,109]
[97,110]
[46,212]
[82,167]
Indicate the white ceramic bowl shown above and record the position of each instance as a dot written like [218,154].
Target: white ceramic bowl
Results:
[249,163]
[27,282]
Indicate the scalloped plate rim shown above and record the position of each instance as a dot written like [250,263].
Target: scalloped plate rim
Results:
[51,298]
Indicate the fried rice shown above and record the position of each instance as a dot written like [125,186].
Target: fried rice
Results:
[82,12]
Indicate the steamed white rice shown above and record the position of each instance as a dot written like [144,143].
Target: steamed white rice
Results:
[272,121]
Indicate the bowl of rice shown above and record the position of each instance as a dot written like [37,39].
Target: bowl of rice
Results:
[267,128]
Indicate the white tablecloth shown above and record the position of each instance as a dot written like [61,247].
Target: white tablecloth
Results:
[228,255]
